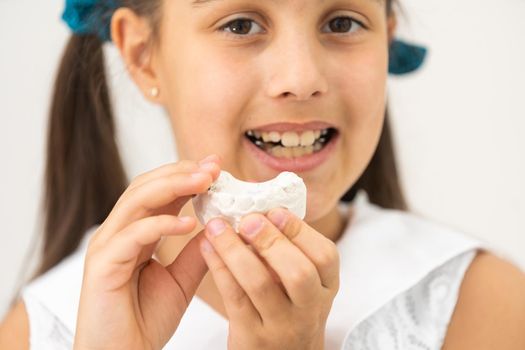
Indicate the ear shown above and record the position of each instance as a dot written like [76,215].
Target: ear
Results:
[391,26]
[131,34]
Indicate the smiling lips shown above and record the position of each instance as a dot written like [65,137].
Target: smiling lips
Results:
[292,146]
[291,140]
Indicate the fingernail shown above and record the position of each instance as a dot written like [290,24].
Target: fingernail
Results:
[216,227]
[186,219]
[252,225]
[278,218]
[207,166]
[208,159]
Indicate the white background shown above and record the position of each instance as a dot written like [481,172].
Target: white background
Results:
[459,123]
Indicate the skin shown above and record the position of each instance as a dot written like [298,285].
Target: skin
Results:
[218,86]
[247,89]
[291,73]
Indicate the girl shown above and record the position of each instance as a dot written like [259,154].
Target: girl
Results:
[254,88]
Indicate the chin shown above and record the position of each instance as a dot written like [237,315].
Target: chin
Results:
[318,205]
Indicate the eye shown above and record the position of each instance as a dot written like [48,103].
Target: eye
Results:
[239,26]
[344,25]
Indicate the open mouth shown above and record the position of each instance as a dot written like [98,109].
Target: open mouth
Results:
[291,144]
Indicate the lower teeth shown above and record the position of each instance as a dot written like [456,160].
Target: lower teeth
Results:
[293,152]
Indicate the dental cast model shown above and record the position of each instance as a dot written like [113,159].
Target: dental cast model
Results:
[231,198]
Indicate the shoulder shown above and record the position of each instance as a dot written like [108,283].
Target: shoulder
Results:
[490,308]
[14,329]
[46,312]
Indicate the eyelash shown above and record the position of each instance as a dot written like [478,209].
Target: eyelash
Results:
[240,36]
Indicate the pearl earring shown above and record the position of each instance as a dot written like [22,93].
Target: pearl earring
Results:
[154,92]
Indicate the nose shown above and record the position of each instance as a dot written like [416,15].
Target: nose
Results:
[295,69]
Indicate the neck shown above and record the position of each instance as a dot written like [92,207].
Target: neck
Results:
[333,224]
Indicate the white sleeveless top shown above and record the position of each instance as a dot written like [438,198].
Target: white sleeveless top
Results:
[400,278]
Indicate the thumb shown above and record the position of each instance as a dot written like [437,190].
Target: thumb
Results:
[189,268]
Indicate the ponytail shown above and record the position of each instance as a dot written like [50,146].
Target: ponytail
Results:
[84,175]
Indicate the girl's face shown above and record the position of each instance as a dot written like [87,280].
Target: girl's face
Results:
[227,69]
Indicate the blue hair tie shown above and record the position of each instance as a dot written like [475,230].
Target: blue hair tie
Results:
[90,17]
[405,58]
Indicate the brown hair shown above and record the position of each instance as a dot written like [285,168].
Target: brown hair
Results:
[84,175]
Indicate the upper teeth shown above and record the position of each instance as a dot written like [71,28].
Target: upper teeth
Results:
[290,138]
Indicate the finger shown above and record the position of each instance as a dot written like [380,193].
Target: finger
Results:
[145,199]
[189,268]
[297,273]
[319,249]
[237,303]
[184,166]
[128,243]
[131,247]
[247,269]
[174,207]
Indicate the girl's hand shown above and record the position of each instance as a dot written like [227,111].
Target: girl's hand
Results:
[128,300]
[277,295]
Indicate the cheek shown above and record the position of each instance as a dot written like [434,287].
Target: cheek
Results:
[205,101]
[362,84]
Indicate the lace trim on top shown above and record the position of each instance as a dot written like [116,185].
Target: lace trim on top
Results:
[417,318]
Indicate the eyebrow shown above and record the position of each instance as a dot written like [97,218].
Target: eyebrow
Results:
[203,2]
[198,3]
